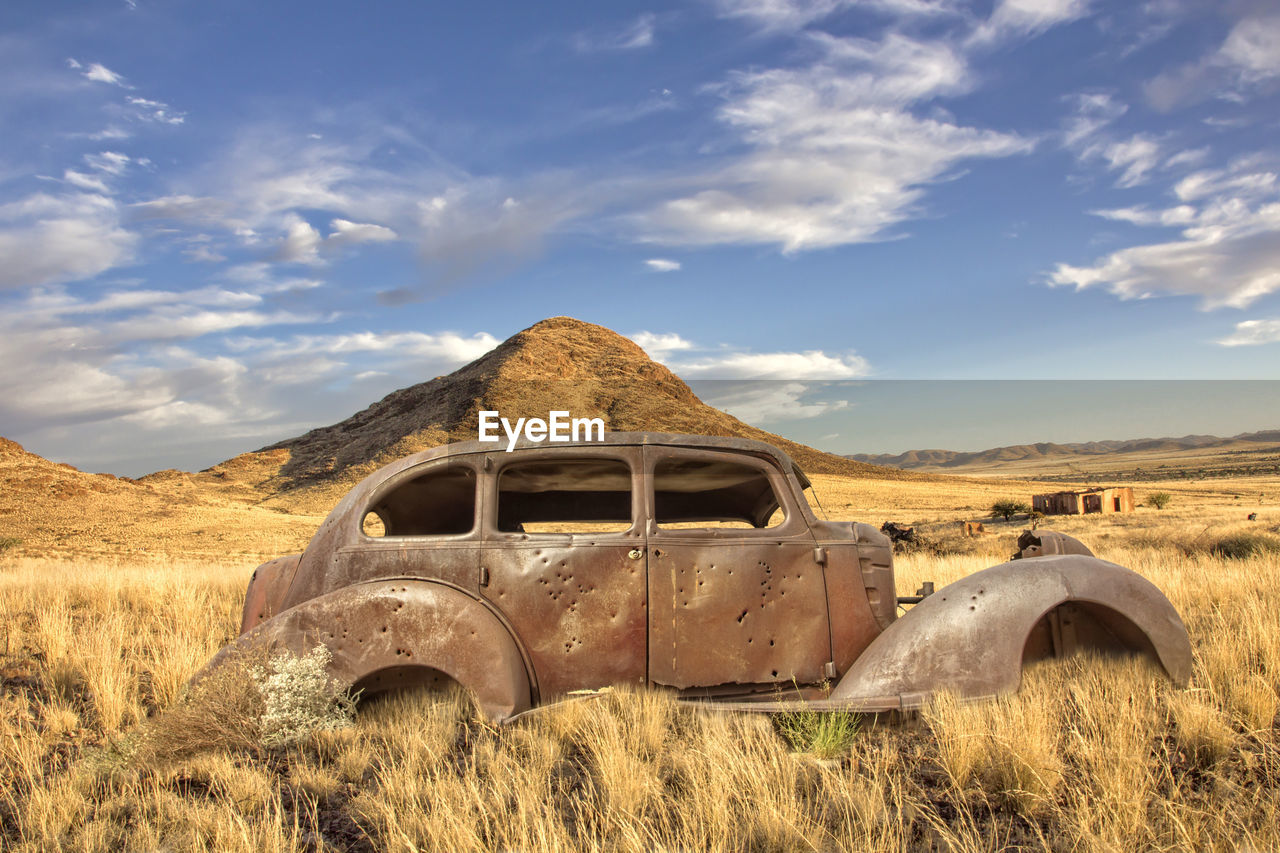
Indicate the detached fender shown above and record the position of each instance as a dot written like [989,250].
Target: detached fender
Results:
[974,636]
[400,632]
[267,587]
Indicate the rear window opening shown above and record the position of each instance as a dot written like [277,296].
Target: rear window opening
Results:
[439,503]
[714,493]
[565,496]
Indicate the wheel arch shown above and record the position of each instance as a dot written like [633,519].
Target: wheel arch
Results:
[395,624]
[974,636]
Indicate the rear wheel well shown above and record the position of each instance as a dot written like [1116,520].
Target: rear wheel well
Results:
[394,678]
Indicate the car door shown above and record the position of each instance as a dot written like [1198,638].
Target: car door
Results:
[563,560]
[735,596]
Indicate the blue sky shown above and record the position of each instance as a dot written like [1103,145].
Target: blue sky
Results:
[221,224]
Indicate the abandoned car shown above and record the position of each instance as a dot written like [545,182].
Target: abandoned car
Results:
[683,561]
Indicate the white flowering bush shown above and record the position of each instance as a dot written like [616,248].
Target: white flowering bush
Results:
[299,697]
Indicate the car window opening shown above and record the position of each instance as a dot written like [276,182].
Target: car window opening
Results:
[717,493]
[565,496]
[439,503]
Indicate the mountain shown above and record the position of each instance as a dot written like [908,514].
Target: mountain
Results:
[557,364]
[937,460]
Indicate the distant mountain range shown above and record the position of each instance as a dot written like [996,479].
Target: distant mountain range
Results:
[1047,451]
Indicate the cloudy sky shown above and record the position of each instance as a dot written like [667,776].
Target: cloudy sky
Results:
[221,224]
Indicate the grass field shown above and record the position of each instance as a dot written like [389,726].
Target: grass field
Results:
[99,750]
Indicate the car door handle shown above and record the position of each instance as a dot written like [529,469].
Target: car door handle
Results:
[635,553]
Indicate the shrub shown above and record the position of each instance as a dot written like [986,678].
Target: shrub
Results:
[1240,546]
[825,734]
[299,697]
[247,704]
[1159,500]
[1008,508]
[7,542]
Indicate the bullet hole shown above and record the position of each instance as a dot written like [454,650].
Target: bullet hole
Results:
[775,673]
[742,616]
[971,607]
[384,629]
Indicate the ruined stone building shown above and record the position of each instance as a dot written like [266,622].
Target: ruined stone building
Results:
[1099,499]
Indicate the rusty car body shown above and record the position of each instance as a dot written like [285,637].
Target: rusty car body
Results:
[689,562]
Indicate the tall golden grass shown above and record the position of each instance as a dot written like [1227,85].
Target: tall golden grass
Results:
[99,752]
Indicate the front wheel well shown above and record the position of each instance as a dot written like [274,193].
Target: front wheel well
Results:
[1076,626]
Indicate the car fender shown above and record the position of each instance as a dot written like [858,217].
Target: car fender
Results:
[973,637]
[403,631]
[266,591]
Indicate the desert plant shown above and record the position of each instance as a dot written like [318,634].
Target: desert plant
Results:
[7,542]
[1007,508]
[1159,500]
[299,697]
[825,735]
[1241,546]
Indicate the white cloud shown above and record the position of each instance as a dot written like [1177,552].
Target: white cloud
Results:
[1093,111]
[659,345]
[1024,18]
[184,207]
[445,347]
[1252,49]
[810,364]
[1253,333]
[836,157]
[639,33]
[85,182]
[662,265]
[47,239]
[345,233]
[146,109]
[1134,157]
[1248,58]
[101,74]
[301,243]
[797,14]
[1228,253]
[771,402]
[111,162]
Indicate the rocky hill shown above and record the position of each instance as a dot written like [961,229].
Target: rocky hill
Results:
[557,364]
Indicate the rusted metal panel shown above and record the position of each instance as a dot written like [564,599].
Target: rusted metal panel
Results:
[853,576]
[266,588]
[739,611]
[734,606]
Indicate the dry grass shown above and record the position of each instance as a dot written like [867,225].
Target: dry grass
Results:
[99,752]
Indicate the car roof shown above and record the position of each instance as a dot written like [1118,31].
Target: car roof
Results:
[611,439]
